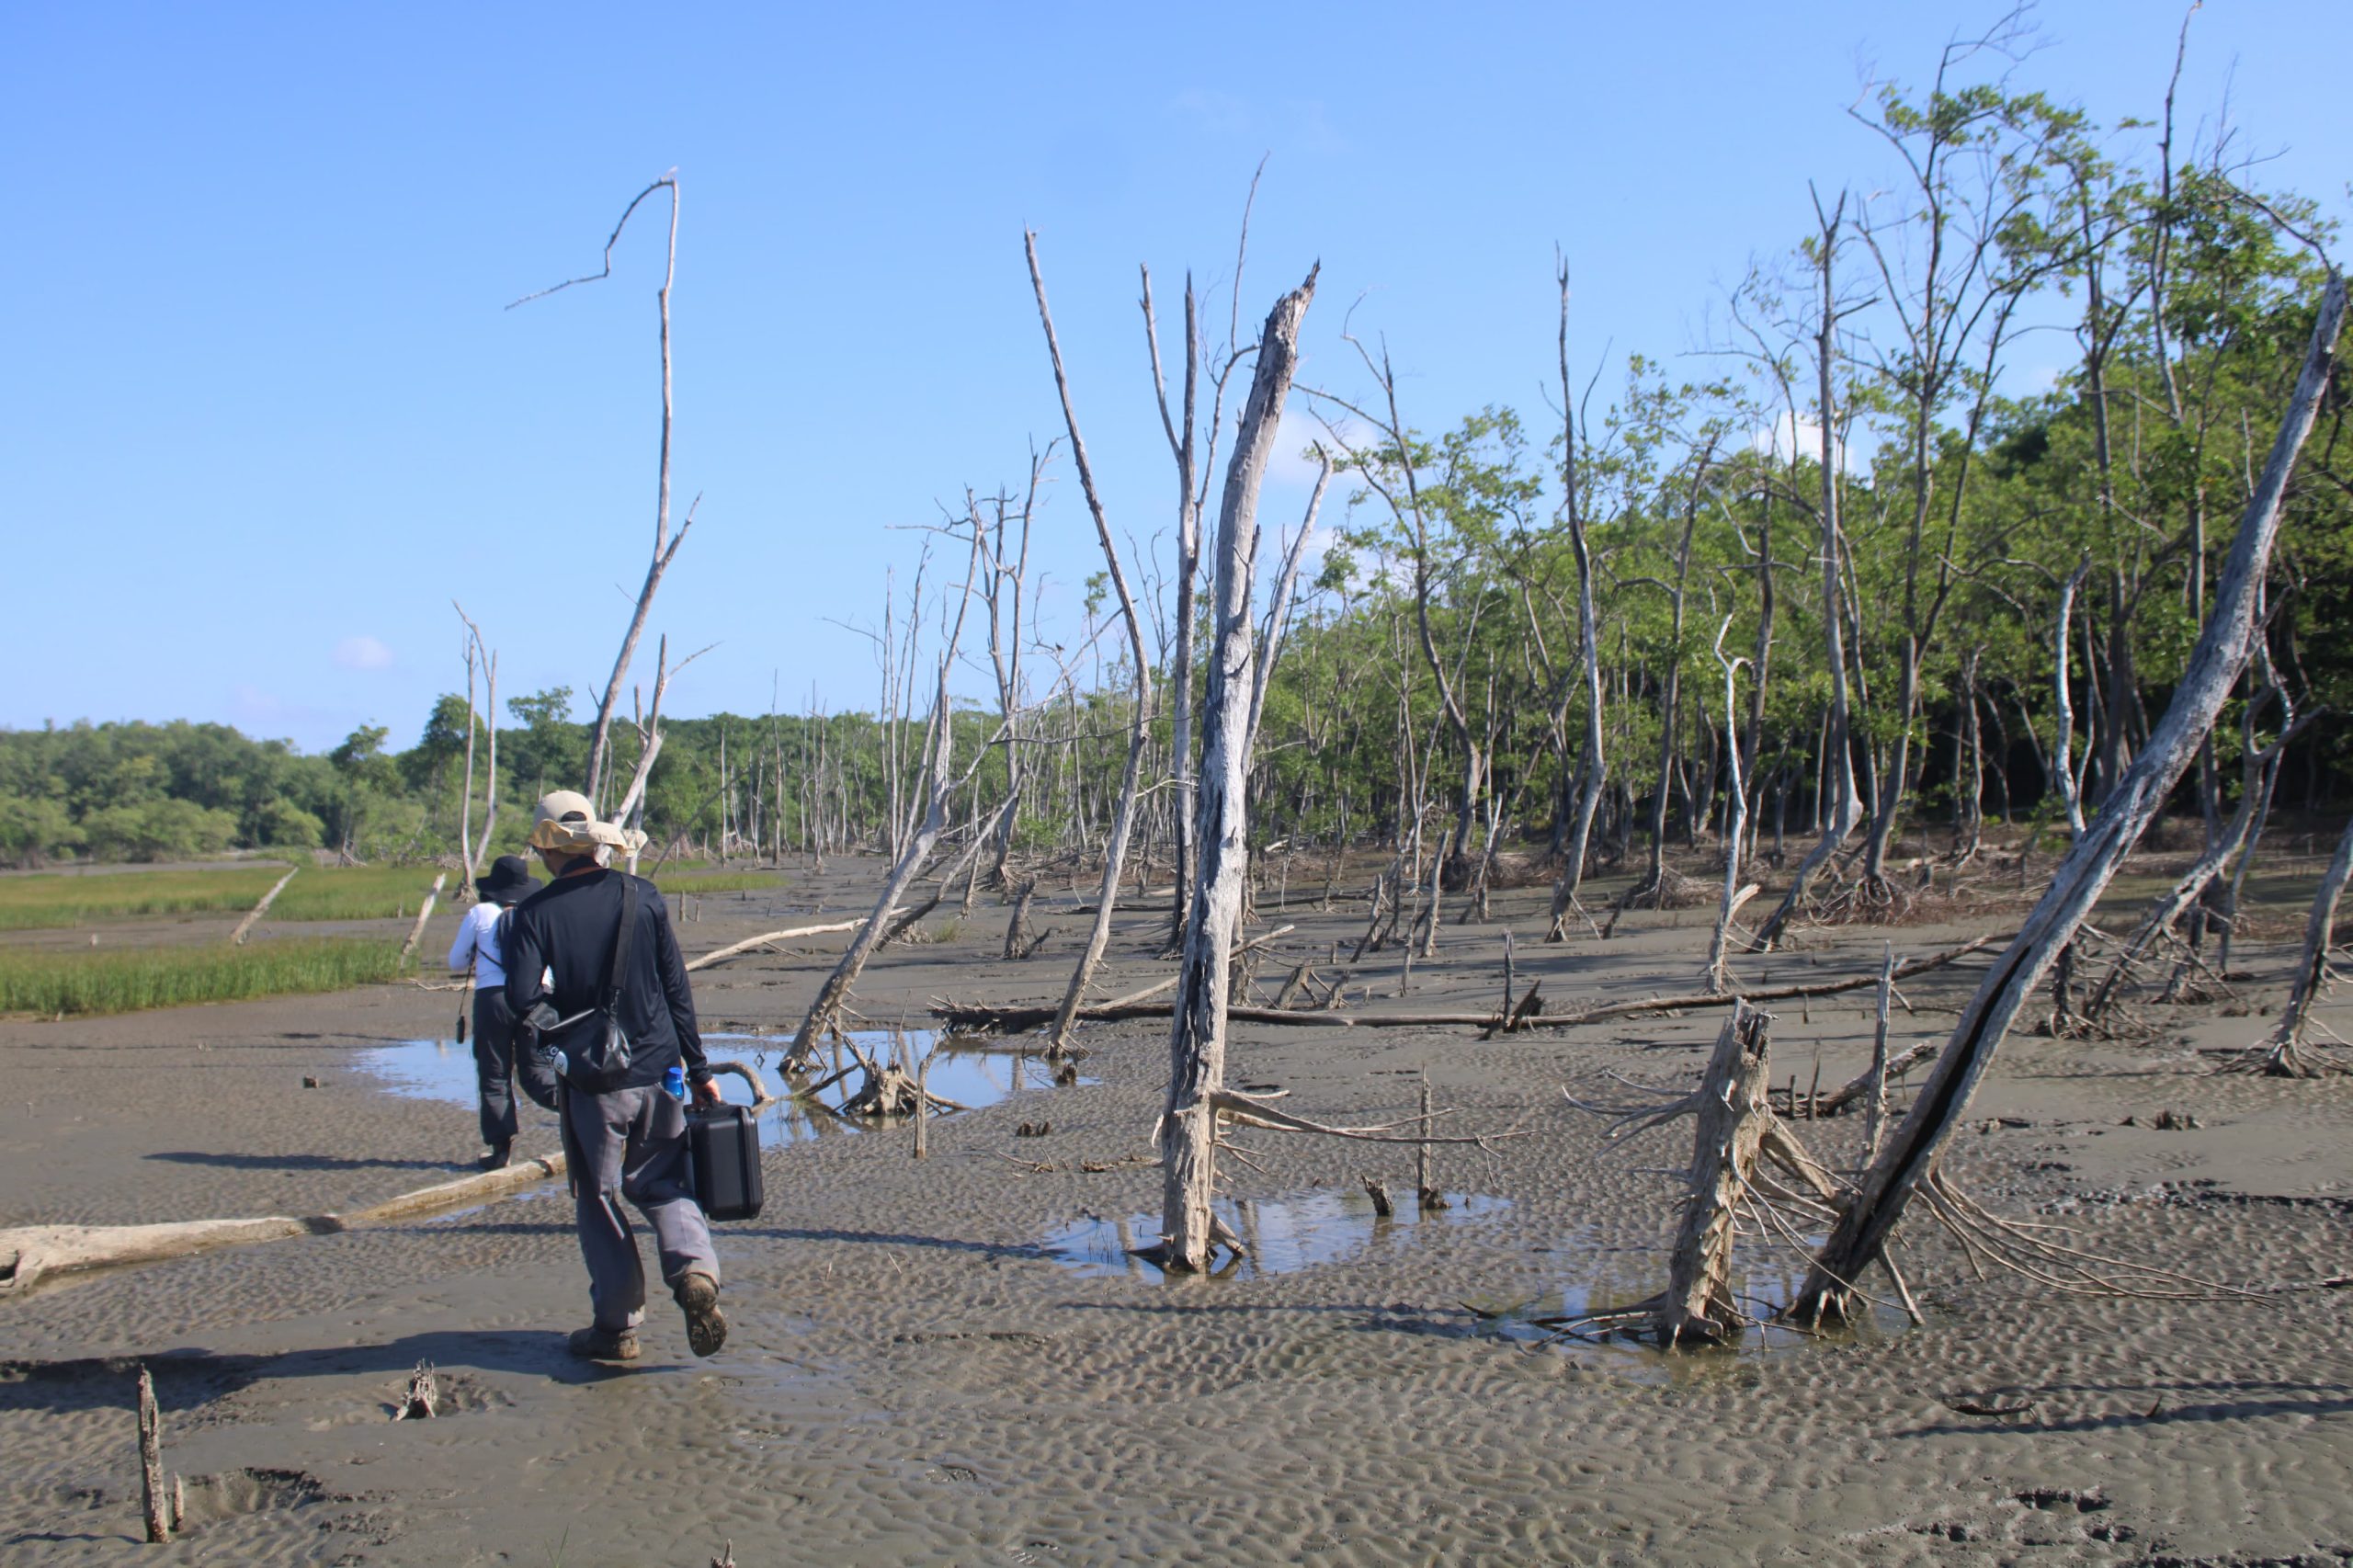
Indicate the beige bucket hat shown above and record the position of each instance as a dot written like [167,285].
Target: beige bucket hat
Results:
[566,822]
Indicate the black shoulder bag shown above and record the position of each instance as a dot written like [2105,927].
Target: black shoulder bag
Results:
[597,1055]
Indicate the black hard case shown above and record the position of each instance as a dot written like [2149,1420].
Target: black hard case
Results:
[723,1147]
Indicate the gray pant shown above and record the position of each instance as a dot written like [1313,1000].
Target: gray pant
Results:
[631,1143]
[498,1065]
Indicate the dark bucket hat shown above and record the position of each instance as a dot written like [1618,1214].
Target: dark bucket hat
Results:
[510,881]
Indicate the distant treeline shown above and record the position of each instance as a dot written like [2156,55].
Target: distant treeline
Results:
[142,791]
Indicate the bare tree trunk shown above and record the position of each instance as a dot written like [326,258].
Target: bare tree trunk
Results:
[1735,824]
[1594,771]
[665,547]
[2285,1059]
[2223,650]
[1846,807]
[1188,1132]
[1123,813]
[2062,771]
[1182,447]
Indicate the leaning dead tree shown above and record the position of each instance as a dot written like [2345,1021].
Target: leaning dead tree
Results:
[1188,1132]
[262,908]
[1908,1164]
[2287,1054]
[1123,813]
[630,811]
[940,785]
[665,545]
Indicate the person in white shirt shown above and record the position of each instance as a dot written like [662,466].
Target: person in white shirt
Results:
[480,948]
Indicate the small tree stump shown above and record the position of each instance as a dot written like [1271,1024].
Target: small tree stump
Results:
[423,1390]
[1735,1114]
[150,1464]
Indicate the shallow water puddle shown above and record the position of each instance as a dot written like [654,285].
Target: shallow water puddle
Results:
[1284,1234]
[1618,1277]
[970,1074]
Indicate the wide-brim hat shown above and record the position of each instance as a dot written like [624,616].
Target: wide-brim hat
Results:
[566,822]
[510,881]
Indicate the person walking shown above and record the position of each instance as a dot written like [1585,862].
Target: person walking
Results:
[568,954]
[478,951]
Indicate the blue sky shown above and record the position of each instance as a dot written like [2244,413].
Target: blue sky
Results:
[262,414]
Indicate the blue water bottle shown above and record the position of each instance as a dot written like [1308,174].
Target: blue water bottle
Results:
[674,1082]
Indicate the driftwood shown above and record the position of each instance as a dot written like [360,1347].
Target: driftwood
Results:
[29,1253]
[736,949]
[258,910]
[1871,1079]
[983,1019]
[963,1017]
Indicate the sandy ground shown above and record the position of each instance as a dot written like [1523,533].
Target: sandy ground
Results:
[915,1377]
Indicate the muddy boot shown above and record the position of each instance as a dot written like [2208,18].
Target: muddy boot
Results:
[594,1344]
[698,1297]
[498,1156]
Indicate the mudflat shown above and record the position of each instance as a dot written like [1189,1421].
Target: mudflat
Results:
[953,1360]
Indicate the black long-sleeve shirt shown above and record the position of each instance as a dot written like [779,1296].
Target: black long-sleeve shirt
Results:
[568,927]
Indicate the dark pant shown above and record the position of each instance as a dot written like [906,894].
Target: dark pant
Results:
[498,1065]
[631,1143]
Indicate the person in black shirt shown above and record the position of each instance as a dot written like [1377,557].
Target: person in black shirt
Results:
[629,1141]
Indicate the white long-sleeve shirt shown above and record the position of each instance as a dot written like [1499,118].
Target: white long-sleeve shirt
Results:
[477,945]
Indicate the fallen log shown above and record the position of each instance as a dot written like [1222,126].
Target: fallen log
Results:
[447,1195]
[31,1253]
[738,949]
[982,1019]
[977,1018]
[1863,1083]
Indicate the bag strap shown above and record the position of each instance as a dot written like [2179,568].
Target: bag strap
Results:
[617,973]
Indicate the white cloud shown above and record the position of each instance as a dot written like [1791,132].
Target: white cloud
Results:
[1787,435]
[363,654]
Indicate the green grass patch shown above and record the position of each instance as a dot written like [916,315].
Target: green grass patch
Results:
[701,883]
[36,903]
[128,980]
[358,892]
[342,893]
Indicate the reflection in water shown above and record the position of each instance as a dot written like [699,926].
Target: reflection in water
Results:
[1284,1234]
[1613,1278]
[970,1074]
